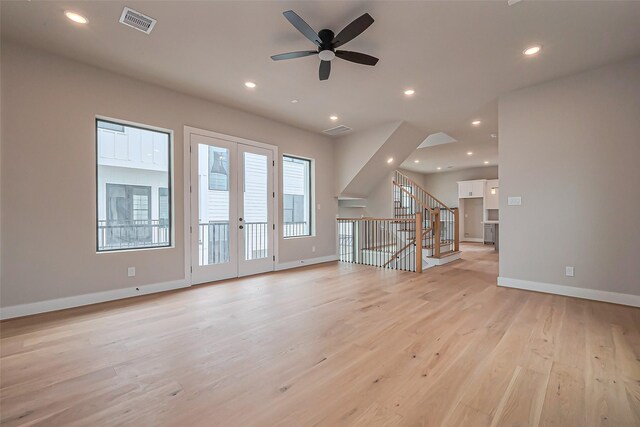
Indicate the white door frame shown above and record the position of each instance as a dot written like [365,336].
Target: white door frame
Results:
[186,144]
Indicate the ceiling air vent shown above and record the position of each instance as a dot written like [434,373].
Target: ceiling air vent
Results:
[337,130]
[137,20]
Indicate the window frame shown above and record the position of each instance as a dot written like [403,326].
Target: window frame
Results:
[310,233]
[170,184]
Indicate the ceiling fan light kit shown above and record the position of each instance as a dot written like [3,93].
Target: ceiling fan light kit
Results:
[327,43]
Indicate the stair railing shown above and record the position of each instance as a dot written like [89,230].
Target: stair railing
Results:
[381,242]
[410,198]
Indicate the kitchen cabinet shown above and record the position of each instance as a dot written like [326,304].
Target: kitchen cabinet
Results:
[467,189]
[489,233]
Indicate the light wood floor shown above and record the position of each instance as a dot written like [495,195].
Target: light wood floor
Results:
[334,344]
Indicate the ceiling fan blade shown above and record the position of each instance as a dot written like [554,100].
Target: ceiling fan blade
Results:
[353,30]
[302,26]
[357,57]
[292,55]
[325,70]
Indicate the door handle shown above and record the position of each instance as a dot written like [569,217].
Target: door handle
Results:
[241,227]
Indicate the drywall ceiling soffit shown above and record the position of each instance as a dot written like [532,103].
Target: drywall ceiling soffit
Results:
[353,152]
[397,147]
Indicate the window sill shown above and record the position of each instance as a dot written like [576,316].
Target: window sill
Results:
[119,251]
[298,237]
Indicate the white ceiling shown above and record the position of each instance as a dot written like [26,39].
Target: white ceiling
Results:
[458,56]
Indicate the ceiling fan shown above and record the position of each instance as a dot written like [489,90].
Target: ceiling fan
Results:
[327,43]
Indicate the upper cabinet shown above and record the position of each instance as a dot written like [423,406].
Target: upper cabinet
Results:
[491,194]
[467,189]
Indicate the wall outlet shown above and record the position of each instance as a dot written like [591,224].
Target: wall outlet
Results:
[568,271]
[514,201]
[131,272]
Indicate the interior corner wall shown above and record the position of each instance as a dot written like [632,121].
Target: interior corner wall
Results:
[380,200]
[444,185]
[49,106]
[571,149]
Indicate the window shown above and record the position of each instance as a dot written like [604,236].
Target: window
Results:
[296,203]
[133,168]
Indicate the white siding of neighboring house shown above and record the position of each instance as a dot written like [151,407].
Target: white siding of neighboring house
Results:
[136,157]
[216,206]
[295,182]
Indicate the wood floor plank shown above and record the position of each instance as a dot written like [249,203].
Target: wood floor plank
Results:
[332,344]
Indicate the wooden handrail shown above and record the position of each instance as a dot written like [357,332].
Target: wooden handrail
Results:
[413,197]
[366,218]
[430,195]
[413,241]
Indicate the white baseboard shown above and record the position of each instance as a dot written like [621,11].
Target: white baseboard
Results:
[570,291]
[86,299]
[442,261]
[473,240]
[303,262]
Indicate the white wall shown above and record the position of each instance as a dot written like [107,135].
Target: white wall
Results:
[444,185]
[49,105]
[380,200]
[571,149]
[354,150]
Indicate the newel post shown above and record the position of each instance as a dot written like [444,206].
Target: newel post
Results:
[418,242]
[456,229]
[436,233]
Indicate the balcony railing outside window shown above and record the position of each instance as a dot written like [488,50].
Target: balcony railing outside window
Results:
[113,235]
[294,229]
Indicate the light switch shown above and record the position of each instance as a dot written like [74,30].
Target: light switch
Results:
[514,201]
[568,271]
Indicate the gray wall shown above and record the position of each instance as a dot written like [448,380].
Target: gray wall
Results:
[443,185]
[473,226]
[571,149]
[49,106]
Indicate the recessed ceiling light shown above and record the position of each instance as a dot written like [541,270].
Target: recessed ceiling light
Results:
[476,122]
[76,17]
[469,153]
[250,85]
[334,118]
[416,161]
[409,92]
[486,162]
[390,159]
[294,101]
[532,50]
[438,168]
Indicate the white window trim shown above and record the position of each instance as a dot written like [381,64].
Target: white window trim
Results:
[312,195]
[172,184]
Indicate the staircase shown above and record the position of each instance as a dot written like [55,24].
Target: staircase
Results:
[440,236]
[423,232]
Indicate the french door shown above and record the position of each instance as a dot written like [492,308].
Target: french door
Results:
[232,209]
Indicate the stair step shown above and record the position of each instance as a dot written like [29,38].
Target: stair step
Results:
[445,254]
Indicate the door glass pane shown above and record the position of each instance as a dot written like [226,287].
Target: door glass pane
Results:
[256,201]
[213,205]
